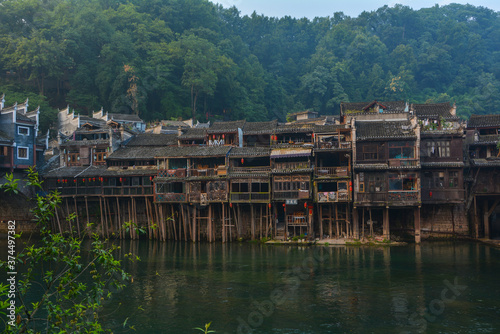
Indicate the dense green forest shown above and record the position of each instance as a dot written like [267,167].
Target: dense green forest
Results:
[167,59]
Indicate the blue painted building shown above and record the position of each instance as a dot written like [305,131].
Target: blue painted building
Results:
[18,136]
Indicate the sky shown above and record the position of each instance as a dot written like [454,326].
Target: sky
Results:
[313,8]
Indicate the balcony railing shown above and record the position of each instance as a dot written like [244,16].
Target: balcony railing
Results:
[180,172]
[292,194]
[331,171]
[404,196]
[292,165]
[248,170]
[170,197]
[371,197]
[333,196]
[250,197]
[296,220]
[334,145]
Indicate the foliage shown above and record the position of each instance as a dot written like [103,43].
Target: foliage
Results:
[195,58]
[205,330]
[62,286]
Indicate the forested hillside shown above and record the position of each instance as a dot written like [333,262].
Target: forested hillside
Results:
[168,59]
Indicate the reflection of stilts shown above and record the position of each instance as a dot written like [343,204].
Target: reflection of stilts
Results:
[371,222]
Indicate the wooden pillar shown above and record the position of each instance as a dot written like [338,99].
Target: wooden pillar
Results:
[486,219]
[336,221]
[386,230]
[476,220]
[417,225]
[193,236]
[209,223]
[102,220]
[330,216]
[260,221]
[363,224]
[310,233]
[355,223]
[88,216]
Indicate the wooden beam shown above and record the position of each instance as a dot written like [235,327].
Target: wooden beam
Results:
[386,228]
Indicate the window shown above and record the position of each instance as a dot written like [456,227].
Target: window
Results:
[370,152]
[402,182]
[22,130]
[100,156]
[439,180]
[73,158]
[438,149]
[362,187]
[453,179]
[401,150]
[22,153]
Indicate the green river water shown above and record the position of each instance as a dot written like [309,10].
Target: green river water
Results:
[438,287]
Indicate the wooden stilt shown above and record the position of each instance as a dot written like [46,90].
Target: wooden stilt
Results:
[106,228]
[209,223]
[102,219]
[386,230]
[77,220]
[252,221]
[223,223]
[417,225]
[58,222]
[486,219]
[69,213]
[371,222]
[260,222]
[118,209]
[363,224]
[129,204]
[146,203]
[336,219]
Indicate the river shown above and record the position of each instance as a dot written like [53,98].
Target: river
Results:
[438,287]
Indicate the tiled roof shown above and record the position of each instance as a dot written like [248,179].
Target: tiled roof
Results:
[254,128]
[389,106]
[23,118]
[194,151]
[384,130]
[483,121]
[221,127]
[434,110]
[495,162]
[85,142]
[290,152]
[444,164]
[237,152]
[194,133]
[152,139]
[487,139]
[136,153]
[124,117]
[174,123]
[371,166]
[97,171]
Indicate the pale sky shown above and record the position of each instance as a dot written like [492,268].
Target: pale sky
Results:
[313,8]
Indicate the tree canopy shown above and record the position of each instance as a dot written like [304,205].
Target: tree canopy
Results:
[167,59]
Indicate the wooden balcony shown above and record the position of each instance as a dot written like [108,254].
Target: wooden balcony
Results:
[291,194]
[327,172]
[401,197]
[106,191]
[440,195]
[333,196]
[250,197]
[204,172]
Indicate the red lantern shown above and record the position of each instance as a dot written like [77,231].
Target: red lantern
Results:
[230,205]
[223,136]
[121,179]
[83,180]
[350,183]
[269,205]
[242,161]
[58,180]
[305,205]
[150,178]
[350,188]
[74,180]
[93,179]
[430,193]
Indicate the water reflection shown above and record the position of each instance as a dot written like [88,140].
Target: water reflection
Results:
[277,289]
